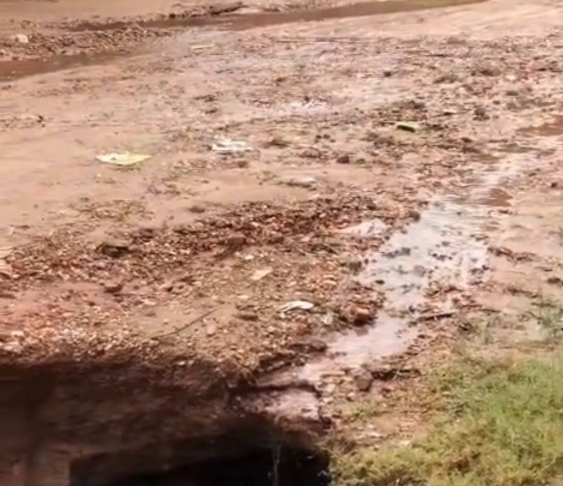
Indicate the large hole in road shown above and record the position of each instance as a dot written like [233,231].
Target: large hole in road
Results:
[224,462]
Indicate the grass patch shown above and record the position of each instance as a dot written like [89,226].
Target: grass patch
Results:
[498,424]
[550,318]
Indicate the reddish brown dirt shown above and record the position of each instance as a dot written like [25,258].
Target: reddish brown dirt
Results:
[173,274]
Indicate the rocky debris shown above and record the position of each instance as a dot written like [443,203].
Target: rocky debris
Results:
[246,264]
[40,44]
[154,254]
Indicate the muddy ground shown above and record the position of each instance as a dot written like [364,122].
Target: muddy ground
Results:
[398,181]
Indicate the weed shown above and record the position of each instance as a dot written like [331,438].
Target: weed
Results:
[497,424]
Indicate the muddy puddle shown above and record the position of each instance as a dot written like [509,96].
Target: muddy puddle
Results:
[425,269]
[12,70]
[245,21]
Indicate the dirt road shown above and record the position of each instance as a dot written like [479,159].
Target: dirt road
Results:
[396,174]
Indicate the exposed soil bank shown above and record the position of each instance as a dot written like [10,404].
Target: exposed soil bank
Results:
[98,424]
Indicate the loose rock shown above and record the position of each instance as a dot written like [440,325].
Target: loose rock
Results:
[363,381]
[21,38]
[360,316]
[113,287]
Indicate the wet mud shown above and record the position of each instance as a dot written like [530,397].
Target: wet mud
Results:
[13,70]
[426,269]
[265,19]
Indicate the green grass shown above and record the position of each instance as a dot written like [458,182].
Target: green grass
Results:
[497,424]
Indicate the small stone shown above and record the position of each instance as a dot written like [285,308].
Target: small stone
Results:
[446,78]
[21,38]
[317,346]
[247,316]
[147,231]
[354,264]
[363,381]
[555,281]
[406,127]
[330,389]
[487,70]
[260,274]
[304,182]
[114,248]
[196,209]
[113,287]
[278,142]
[343,159]
[236,240]
[211,330]
[360,316]
[480,113]
[387,73]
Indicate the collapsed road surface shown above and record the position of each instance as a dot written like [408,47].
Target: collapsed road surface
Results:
[219,227]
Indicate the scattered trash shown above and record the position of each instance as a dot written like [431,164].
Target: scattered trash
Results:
[123,159]
[228,146]
[406,127]
[296,304]
[260,274]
